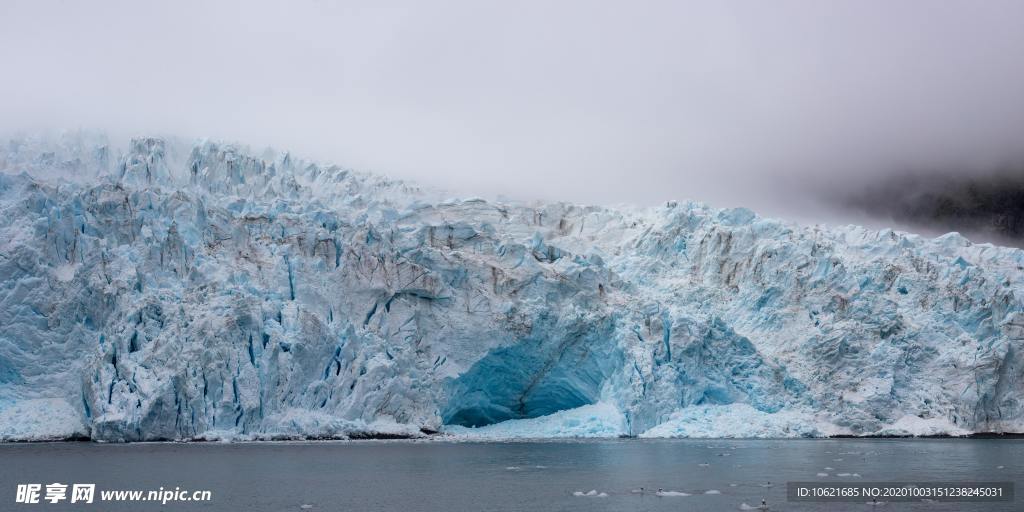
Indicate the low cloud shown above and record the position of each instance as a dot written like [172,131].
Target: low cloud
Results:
[786,107]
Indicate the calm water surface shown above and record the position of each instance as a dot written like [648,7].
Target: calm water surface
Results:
[435,476]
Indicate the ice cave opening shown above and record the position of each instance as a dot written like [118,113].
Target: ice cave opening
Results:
[529,380]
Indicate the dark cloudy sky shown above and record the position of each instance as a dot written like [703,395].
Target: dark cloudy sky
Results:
[773,105]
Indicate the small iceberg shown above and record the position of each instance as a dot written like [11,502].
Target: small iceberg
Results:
[822,474]
[671,493]
[712,491]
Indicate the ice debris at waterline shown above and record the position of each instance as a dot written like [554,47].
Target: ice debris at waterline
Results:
[590,494]
[668,494]
[171,291]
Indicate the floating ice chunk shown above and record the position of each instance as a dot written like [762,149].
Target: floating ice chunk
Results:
[712,491]
[669,494]
[822,474]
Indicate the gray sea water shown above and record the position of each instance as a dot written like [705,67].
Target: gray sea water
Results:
[521,476]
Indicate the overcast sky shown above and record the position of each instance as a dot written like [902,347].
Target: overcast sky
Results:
[734,103]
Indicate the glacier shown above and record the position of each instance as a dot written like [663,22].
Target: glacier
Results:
[179,290]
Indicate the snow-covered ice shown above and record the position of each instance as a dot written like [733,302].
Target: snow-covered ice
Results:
[168,290]
[597,420]
[670,494]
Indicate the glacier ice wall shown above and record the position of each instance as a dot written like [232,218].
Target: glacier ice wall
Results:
[173,291]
